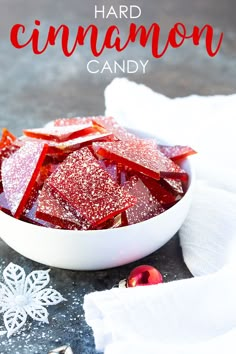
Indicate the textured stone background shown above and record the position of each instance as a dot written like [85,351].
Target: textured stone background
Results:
[35,89]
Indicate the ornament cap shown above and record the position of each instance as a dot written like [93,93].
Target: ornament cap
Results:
[65,349]
[122,283]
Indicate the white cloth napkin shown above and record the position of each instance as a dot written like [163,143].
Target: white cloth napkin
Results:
[187,316]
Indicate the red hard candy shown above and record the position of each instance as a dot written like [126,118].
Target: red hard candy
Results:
[85,186]
[60,134]
[146,207]
[142,156]
[110,124]
[177,152]
[19,173]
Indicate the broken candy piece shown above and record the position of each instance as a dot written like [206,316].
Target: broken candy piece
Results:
[88,188]
[142,156]
[19,173]
[124,173]
[45,172]
[173,185]
[176,152]
[164,196]
[75,144]
[147,205]
[29,211]
[110,124]
[6,148]
[52,208]
[5,152]
[59,134]
[7,138]
[68,146]
[30,217]
[112,223]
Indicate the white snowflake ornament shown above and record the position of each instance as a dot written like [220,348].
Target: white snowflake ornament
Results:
[25,295]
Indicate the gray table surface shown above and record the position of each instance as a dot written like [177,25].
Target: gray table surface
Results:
[36,89]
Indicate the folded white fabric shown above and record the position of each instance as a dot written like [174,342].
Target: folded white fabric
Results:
[188,316]
[177,317]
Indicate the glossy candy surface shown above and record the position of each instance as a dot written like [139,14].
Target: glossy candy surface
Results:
[144,275]
[158,190]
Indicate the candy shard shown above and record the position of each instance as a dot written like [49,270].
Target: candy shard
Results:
[112,223]
[68,146]
[19,173]
[29,213]
[88,188]
[6,149]
[173,185]
[52,208]
[5,152]
[74,144]
[147,205]
[140,155]
[7,138]
[59,134]
[176,152]
[45,171]
[164,196]
[110,124]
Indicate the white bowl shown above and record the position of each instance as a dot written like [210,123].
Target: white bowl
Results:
[93,250]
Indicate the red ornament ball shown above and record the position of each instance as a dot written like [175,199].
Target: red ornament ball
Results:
[144,275]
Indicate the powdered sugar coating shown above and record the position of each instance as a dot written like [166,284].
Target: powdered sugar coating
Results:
[142,156]
[176,152]
[69,145]
[147,205]
[19,173]
[58,134]
[88,188]
[108,123]
[52,208]
[111,125]
[111,168]
[174,185]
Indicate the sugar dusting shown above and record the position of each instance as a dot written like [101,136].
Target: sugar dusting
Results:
[18,172]
[88,188]
[141,155]
[66,326]
[147,205]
